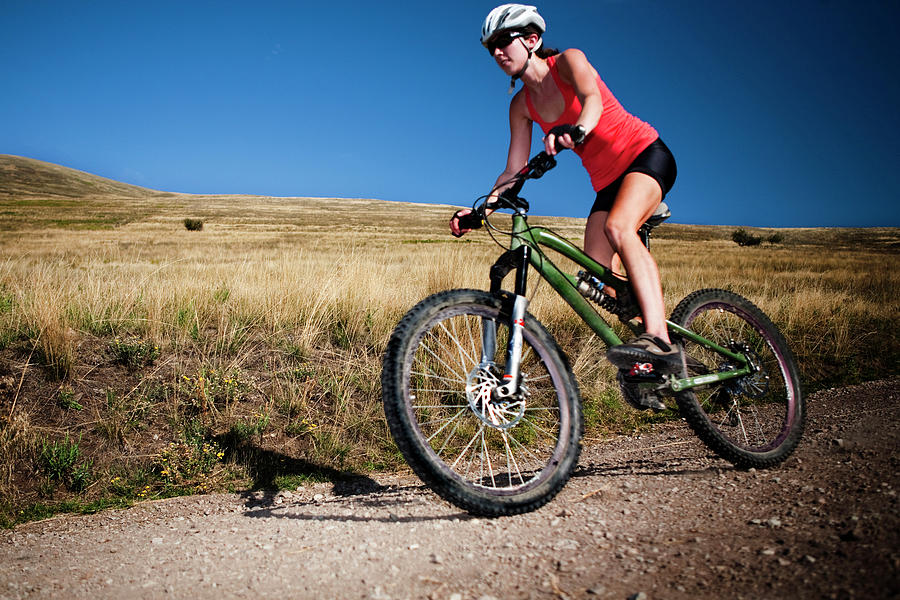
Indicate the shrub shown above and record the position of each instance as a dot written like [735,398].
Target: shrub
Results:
[188,463]
[193,224]
[244,430]
[133,353]
[213,389]
[775,238]
[66,399]
[58,460]
[80,477]
[742,238]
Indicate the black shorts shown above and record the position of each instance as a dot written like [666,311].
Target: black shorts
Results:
[656,161]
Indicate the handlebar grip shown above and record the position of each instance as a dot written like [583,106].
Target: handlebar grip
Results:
[559,147]
[576,132]
[472,220]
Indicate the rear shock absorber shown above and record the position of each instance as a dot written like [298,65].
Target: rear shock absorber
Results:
[592,288]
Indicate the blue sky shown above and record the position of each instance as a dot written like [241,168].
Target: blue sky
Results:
[779,113]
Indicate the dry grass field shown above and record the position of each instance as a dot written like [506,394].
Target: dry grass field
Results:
[140,359]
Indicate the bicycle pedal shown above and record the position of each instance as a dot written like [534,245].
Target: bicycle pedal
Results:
[641,369]
[641,399]
[642,372]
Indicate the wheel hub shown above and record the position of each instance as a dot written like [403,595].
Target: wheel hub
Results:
[756,383]
[481,384]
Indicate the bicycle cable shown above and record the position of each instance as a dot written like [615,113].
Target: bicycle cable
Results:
[522,176]
[543,257]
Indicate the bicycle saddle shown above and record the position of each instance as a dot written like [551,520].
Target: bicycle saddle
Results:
[661,214]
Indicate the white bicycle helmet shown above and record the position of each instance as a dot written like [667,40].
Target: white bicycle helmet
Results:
[511,16]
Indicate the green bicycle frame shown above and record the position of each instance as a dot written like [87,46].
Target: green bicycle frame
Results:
[566,286]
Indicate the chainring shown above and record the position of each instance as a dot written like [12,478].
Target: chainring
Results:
[639,396]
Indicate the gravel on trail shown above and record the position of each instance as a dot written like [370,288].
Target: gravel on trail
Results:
[649,516]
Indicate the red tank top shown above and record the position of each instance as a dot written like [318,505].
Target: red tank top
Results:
[613,144]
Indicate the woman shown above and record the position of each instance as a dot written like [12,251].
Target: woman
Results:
[630,168]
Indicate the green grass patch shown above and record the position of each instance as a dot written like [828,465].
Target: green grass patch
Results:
[134,353]
[38,511]
[294,480]
[60,461]
[84,224]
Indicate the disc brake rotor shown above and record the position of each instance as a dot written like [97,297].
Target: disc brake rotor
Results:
[498,414]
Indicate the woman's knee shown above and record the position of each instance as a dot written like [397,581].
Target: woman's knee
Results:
[617,231]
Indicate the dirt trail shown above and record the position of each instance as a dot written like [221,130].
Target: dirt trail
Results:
[656,515]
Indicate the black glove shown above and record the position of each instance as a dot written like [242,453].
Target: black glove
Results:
[576,132]
[470,220]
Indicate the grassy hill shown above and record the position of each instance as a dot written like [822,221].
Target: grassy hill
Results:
[28,178]
[36,194]
[139,359]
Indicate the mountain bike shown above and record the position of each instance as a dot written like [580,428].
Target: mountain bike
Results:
[481,400]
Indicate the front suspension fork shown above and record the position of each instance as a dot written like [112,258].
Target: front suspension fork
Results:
[517,259]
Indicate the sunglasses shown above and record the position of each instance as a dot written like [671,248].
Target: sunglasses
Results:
[502,40]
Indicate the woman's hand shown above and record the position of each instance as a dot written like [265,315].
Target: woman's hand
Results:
[562,137]
[553,141]
[463,221]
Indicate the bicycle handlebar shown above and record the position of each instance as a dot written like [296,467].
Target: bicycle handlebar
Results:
[509,198]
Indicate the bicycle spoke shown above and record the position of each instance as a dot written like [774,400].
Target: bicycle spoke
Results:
[472,441]
[526,450]
[487,455]
[535,379]
[456,416]
[511,459]
[538,427]
[441,361]
[447,391]
[463,355]
[439,378]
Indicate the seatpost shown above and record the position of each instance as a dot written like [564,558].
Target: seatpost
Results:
[644,234]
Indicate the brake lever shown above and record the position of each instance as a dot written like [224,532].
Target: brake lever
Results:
[539,165]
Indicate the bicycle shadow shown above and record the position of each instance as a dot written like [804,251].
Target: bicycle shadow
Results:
[266,466]
[395,496]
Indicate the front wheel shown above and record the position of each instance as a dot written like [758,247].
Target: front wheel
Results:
[490,456]
[755,420]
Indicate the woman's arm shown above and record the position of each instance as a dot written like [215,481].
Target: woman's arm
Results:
[575,70]
[520,125]
[516,158]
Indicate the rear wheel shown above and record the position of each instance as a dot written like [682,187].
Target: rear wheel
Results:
[755,420]
[487,455]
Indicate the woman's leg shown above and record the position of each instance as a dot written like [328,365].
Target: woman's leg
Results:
[615,233]
[597,246]
[595,243]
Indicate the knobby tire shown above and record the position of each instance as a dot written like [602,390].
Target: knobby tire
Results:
[488,458]
[752,421]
